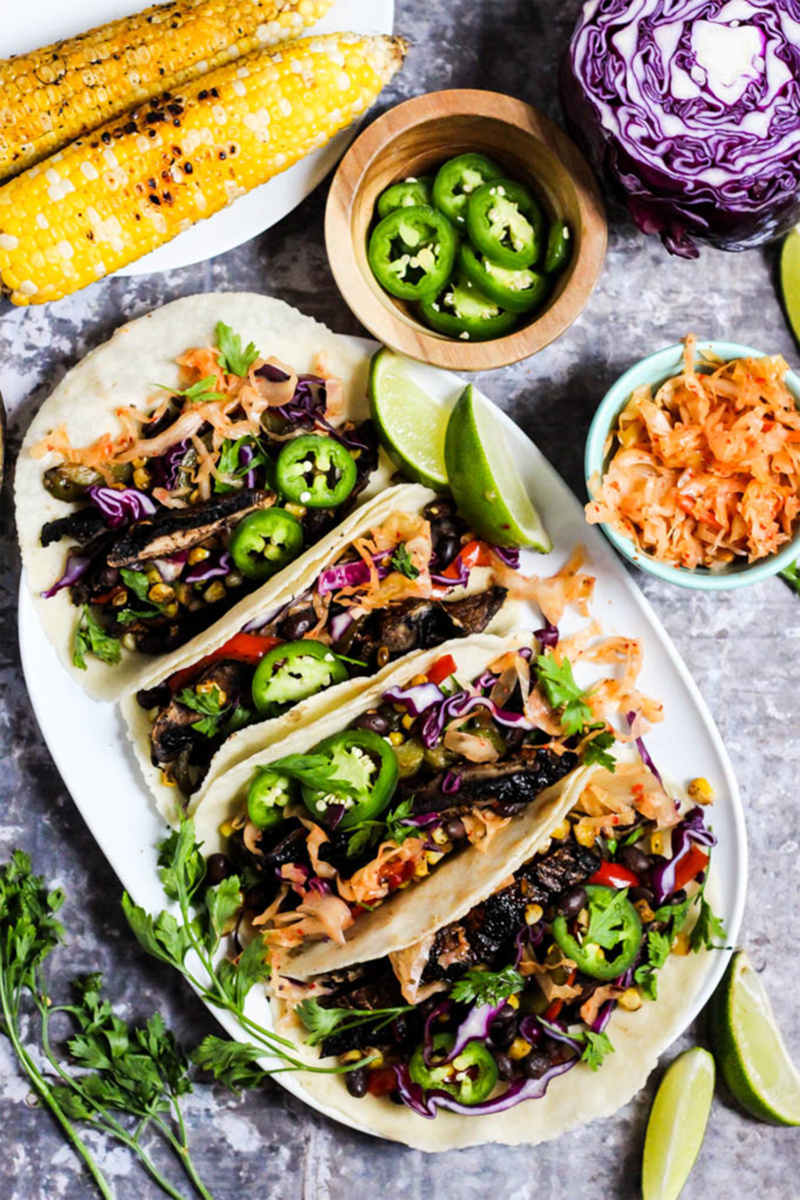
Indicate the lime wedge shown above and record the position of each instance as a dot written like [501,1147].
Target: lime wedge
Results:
[677,1124]
[790,280]
[411,424]
[749,1048]
[485,482]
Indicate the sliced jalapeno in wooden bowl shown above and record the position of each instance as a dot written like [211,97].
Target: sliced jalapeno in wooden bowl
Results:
[516,290]
[462,311]
[457,179]
[407,194]
[412,251]
[506,223]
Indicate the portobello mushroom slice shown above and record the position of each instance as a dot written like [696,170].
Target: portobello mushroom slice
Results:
[421,624]
[172,530]
[173,729]
[511,783]
[81,525]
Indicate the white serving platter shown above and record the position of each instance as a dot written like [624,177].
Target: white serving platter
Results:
[88,742]
[36,23]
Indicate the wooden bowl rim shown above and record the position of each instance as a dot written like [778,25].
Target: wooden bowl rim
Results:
[391,327]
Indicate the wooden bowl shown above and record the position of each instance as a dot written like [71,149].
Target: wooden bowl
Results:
[415,138]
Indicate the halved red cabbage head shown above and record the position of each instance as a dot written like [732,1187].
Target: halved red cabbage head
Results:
[691,109]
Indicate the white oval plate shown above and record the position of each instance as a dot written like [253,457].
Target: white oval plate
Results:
[88,742]
[40,22]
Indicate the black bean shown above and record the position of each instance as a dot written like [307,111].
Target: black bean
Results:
[570,903]
[677,897]
[296,624]
[357,1081]
[641,893]
[535,1064]
[217,869]
[373,721]
[108,577]
[503,1028]
[155,697]
[455,829]
[505,1067]
[447,548]
[635,859]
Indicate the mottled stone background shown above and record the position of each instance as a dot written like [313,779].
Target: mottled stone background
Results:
[742,648]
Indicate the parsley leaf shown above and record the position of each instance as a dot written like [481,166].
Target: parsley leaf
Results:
[607,919]
[658,947]
[392,827]
[597,1048]
[792,575]
[322,1022]
[401,561]
[91,638]
[137,581]
[314,771]
[487,987]
[707,929]
[198,393]
[596,751]
[230,468]
[210,704]
[231,358]
[232,1063]
[363,837]
[562,692]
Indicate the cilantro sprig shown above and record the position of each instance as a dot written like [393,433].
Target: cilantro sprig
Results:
[562,692]
[322,1022]
[91,638]
[231,357]
[198,393]
[229,467]
[392,828]
[401,561]
[487,987]
[792,575]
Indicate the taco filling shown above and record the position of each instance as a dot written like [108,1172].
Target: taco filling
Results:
[413,582]
[435,767]
[196,502]
[488,1011]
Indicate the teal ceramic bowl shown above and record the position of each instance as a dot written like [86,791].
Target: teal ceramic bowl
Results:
[655,370]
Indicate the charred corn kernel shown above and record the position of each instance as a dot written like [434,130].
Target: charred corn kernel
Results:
[171,609]
[657,842]
[138,462]
[518,1049]
[160,593]
[183,592]
[533,914]
[382,657]
[194,496]
[439,836]
[407,721]
[214,592]
[561,831]
[128,641]
[141,478]
[432,857]
[168,781]
[513,1001]
[377,1058]
[418,679]
[55,94]
[585,835]
[131,186]
[701,791]
[630,1000]
[644,910]
[680,944]
[153,575]
[207,686]
[296,510]
[421,869]
[119,598]
[233,580]
[199,554]
[226,829]
[399,708]
[396,738]
[351,1056]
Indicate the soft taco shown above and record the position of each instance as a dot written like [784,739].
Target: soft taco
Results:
[574,948]
[401,574]
[179,466]
[335,823]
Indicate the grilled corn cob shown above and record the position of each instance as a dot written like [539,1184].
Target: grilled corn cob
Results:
[53,95]
[117,194]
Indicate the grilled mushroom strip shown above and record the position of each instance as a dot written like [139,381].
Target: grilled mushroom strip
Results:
[181,529]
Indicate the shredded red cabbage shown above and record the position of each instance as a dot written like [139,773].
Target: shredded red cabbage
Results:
[246,455]
[209,568]
[691,829]
[164,469]
[691,108]
[547,636]
[507,554]
[417,699]
[451,783]
[644,754]
[460,579]
[603,1016]
[170,568]
[319,885]
[77,565]
[474,1027]
[340,623]
[119,506]
[349,574]
[426,1103]
[458,706]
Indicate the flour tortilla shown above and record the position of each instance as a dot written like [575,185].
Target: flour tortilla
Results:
[123,371]
[582,1095]
[290,583]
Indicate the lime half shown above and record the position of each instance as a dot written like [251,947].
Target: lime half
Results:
[411,424]
[677,1124]
[484,479]
[749,1048]
[790,280]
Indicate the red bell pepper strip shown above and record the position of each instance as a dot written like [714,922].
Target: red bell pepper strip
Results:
[244,647]
[611,874]
[552,1011]
[442,669]
[690,865]
[381,1081]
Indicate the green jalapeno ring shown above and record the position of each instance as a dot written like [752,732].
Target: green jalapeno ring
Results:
[263,543]
[475,1064]
[559,248]
[457,179]
[517,291]
[267,797]
[292,672]
[412,251]
[462,311]
[506,223]
[408,193]
[364,760]
[316,471]
[589,957]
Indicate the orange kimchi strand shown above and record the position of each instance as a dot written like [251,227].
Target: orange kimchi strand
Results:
[707,470]
[554,594]
[392,867]
[415,532]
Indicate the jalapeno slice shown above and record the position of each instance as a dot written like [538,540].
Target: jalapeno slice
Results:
[267,797]
[517,291]
[617,933]
[462,311]
[364,760]
[265,542]
[412,251]
[470,1077]
[316,471]
[506,223]
[457,179]
[559,248]
[407,194]
[294,671]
